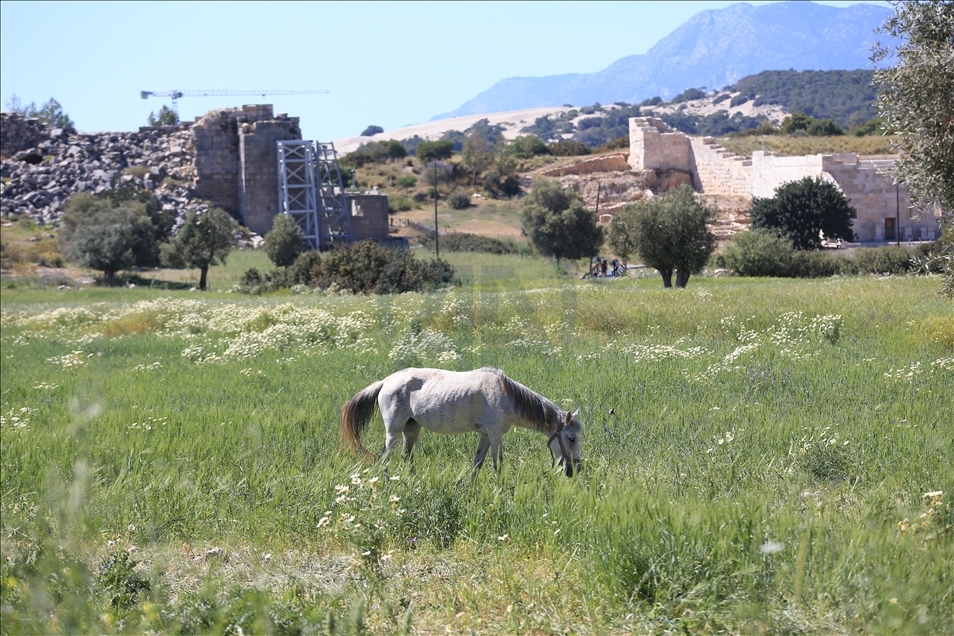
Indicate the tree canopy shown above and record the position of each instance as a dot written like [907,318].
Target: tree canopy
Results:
[166,117]
[801,210]
[670,233]
[557,224]
[50,113]
[428,151]
[203,241]
[113,230]
[917,98]
[285,241]
[104,238]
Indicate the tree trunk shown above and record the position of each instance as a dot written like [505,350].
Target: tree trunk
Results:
[203,277]
[682,277]
[667,277]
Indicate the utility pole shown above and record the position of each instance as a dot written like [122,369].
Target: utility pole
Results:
[437,247]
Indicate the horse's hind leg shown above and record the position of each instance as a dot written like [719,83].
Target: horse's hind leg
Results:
[411,431]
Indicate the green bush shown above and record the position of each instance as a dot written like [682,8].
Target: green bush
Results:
[813,264]
[285,241]
[407,181]
[459,200]
[399,203]
[881,260]
[306,269]
[568,148]
[362,268]
[463,242]
[757,253]
[526,146]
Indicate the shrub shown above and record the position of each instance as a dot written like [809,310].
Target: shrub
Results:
[881,260]
[620,143]
[527,146]
[306,269]
[407,181]
[568,148]
[757,253]
[813,264]
[399,203]
[688,95]
[463,242]
[285,241]
[459,200]
[510,186]
[738,100]
[364,267]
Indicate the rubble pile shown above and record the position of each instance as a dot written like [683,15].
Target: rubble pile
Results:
[42,167]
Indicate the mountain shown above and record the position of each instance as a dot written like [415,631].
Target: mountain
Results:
[714,48]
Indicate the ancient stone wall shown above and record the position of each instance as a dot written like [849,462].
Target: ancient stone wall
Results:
[369,215]
[603,163]
[717,171]
[258,165]
[653,146]
[883,207]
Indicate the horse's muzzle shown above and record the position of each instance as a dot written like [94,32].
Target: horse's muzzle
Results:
[573,466]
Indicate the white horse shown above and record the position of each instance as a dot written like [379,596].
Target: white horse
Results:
[485,401]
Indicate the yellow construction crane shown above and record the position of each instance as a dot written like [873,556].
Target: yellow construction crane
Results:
[176,95]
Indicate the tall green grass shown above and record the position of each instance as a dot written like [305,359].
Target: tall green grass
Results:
[757,458]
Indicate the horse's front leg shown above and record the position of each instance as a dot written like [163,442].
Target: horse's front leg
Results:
[482,447]
[496,451]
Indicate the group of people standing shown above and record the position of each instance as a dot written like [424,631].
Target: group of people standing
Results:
[599,268]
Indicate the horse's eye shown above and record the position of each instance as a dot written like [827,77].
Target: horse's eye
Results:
[572,439]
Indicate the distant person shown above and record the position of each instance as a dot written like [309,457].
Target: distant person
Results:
[603,267]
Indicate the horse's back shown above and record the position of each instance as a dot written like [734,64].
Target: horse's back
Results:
[445,401]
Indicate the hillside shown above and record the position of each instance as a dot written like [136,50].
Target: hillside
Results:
[714,48]
[847,97]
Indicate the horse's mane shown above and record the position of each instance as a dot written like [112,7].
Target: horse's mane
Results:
[532,407]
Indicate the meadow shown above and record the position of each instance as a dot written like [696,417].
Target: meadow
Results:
[761,456]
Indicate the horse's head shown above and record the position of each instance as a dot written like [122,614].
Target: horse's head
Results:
[564,444]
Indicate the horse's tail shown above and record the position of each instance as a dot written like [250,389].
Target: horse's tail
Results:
[355,415]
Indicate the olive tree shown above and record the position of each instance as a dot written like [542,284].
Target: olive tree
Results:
[113,230]
[669,233]
[203,241]
[557,224]
[106,239]
[917,102]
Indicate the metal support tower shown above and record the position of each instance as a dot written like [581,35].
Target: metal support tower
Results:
[310,189]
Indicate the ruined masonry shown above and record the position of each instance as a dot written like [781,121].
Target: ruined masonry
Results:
[884,208]
[227,157]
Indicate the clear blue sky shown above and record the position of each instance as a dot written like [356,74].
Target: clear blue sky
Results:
[389,64]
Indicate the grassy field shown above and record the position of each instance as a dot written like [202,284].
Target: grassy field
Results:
[761,456]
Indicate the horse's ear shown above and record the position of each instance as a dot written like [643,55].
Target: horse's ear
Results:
[569,418]
[575,413]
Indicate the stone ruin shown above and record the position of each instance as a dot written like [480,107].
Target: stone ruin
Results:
[226,158]
[884,208]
